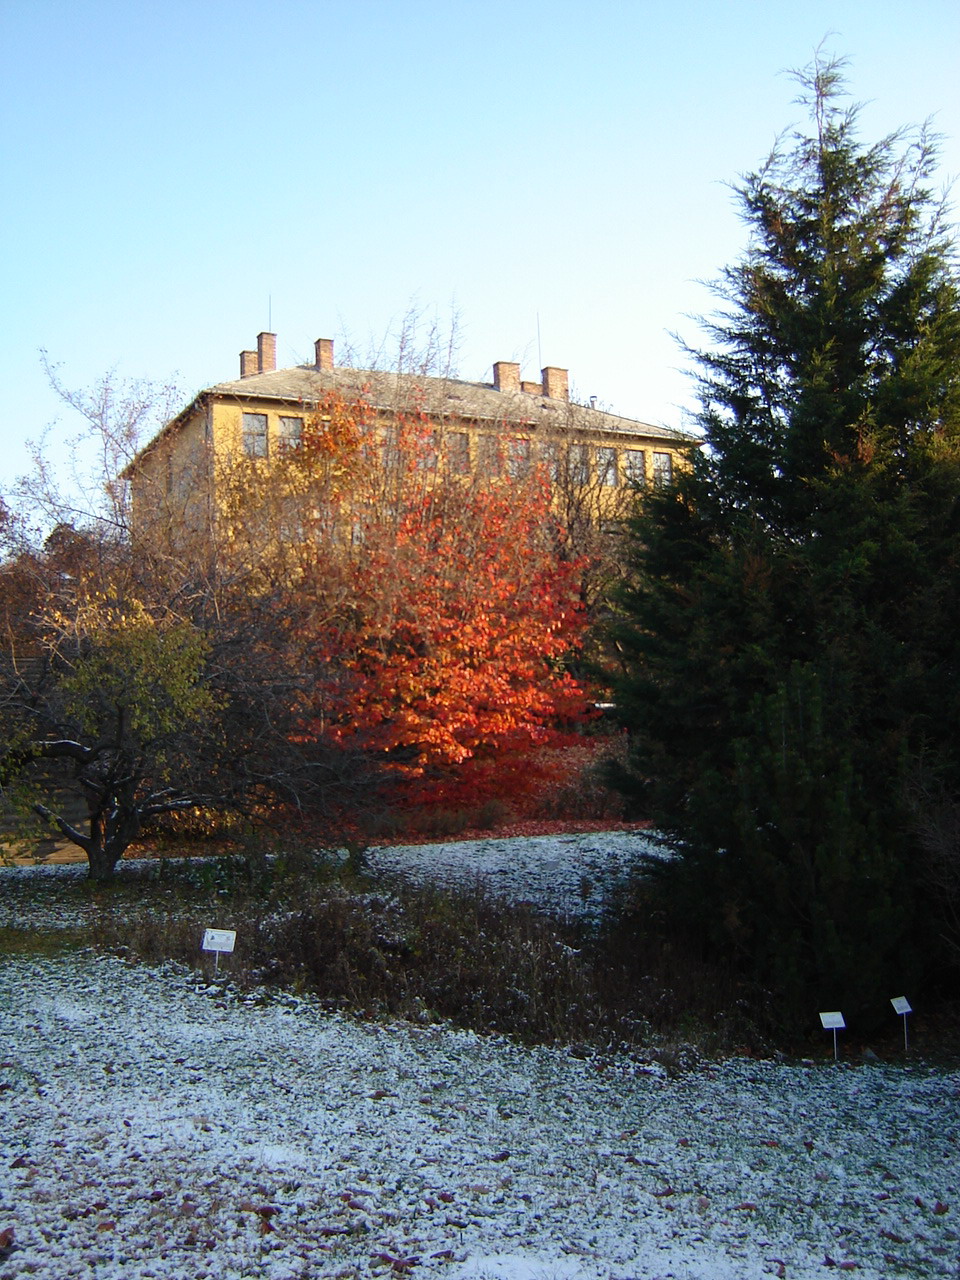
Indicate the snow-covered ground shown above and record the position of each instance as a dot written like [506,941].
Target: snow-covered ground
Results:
[567,874]
[157,1127]
[151,1128]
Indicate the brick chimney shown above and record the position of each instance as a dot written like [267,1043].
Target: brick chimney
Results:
[324,354]
[506,376]
[555,383]
[249,364]
[266,352]
[532,388]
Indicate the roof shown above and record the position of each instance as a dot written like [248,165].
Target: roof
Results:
[481,402]
[440,397]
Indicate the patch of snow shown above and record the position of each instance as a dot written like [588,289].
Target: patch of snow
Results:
[572,875]
[155,1127]
[165,1130]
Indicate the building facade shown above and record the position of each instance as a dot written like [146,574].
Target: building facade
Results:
[508,422]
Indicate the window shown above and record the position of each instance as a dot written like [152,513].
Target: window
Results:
[580,464]
[662,469]
[552,459]
[489,452]
[369,443]
[255,435]
[518,459]
[291,431]
[389,447]
[426,450]
[290,521]
[458,452]
[634,467]
[607,466]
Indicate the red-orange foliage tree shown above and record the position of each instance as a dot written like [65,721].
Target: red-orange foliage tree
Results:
[453,647]
[429,596]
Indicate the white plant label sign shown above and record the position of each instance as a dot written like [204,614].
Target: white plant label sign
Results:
[832,1021]
[219,939]
[901,1004]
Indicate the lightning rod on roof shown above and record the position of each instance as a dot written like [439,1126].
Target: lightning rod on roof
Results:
[539,352]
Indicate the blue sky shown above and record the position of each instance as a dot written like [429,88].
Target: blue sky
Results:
[180,176]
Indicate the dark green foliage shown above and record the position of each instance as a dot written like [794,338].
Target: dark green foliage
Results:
[788,638]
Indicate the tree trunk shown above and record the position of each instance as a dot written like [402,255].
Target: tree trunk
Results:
[103,848]
[102,863]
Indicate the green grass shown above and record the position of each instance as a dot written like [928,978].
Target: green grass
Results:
[41,942]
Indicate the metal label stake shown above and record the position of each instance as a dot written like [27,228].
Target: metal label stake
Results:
[217,940]
[833,1022]
[901,1005]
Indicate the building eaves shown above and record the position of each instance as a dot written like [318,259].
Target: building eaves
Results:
[168,428]
[439,397]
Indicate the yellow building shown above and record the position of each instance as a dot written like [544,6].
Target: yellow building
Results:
[516,421]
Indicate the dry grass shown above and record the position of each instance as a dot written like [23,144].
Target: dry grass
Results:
[427,955]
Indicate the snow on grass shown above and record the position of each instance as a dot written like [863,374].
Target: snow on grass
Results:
[574,874]
[567,874]
[31,897]
[155,1127]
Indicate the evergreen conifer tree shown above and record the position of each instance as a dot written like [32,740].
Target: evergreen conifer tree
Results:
[788,635]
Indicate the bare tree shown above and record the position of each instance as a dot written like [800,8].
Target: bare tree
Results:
[87,487]
[137,679]
[421,342]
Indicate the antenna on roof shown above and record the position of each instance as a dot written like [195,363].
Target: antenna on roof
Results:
[269,313]
[539,352]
